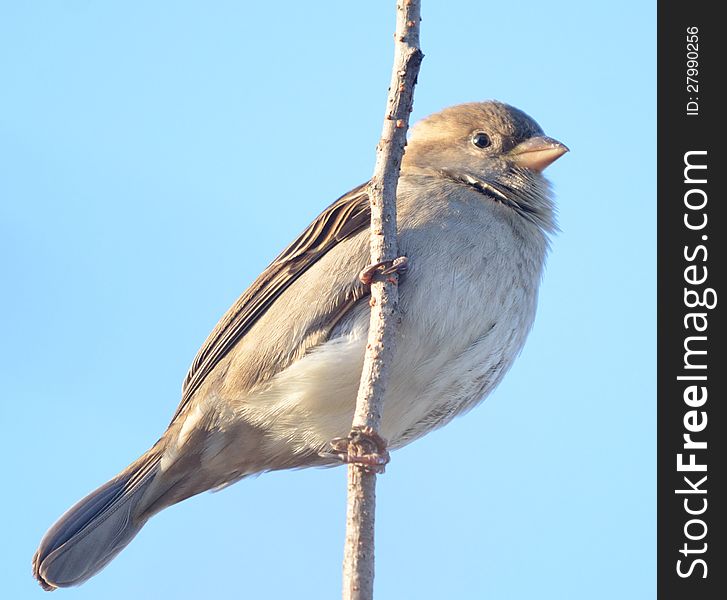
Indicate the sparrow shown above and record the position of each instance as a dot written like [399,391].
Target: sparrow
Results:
[276,380]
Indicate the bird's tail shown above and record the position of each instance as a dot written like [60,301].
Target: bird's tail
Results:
[92,532]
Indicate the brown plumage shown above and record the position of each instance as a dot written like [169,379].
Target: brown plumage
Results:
[276,380]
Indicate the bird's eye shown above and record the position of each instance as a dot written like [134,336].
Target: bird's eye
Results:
[481,140]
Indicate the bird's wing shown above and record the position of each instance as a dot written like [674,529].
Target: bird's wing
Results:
[344,218]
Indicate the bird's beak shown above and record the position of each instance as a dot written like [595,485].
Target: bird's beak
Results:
[537,152]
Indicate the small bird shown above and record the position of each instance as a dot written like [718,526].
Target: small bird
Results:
[276,380]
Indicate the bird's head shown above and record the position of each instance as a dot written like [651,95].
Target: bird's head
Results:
[492,147]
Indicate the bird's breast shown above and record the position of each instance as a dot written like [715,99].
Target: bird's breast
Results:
[467,300]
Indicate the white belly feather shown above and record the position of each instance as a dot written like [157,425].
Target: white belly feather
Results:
[459,335]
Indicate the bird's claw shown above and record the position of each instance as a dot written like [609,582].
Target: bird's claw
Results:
[363,446]
[385,267]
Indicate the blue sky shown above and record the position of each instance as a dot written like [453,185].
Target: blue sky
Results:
[154,157]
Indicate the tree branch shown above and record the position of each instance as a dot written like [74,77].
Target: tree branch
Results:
[358,565]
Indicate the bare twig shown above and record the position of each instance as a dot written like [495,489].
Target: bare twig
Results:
[358,565]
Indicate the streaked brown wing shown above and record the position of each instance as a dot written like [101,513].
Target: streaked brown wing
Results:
[345,217]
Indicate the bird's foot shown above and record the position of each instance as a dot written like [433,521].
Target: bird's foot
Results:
[385,267]
[363,446]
